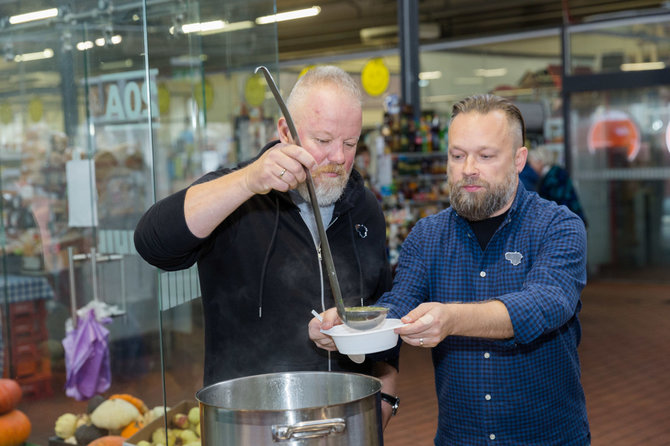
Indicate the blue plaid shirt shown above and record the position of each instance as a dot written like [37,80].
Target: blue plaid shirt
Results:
[522,391]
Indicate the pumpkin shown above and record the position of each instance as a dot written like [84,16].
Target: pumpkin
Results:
[14,428]
[108,440]
[138,403]
[10,395]
[131,429]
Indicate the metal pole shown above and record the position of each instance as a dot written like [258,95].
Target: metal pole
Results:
[408,30]
[565,95]
[73,298]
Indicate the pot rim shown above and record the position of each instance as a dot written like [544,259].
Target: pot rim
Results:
[200,394]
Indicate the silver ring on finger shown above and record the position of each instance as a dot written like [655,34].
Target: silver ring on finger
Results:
[283,171]
[421,342]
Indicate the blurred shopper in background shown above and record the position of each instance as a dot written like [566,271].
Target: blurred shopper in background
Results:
[492,285]
[554,181]
[252,233]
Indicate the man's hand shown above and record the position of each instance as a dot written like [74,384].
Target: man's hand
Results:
[280,168]
[321,340]
[428,325]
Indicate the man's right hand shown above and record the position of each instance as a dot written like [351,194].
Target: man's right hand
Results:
[281,168]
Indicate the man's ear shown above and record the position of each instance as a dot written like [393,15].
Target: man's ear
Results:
[520,158]
[283,131]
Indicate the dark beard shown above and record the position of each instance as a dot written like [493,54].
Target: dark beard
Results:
[483,204]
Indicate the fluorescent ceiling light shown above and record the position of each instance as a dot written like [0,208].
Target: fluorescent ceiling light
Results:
[83,46]
[494,72]
[35,15]
[48,53]
[213,27]
[642,66]
[115,40]
[289,15]
[430,75]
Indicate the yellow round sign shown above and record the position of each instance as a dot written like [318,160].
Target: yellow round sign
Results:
[36,109]
[206,91]
[6,114]
[163,99]
[305,70]
[375,77]
[254,90]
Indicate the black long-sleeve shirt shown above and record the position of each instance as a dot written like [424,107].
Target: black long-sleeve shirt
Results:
[260,276]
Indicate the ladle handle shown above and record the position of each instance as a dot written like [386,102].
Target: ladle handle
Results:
[325,246]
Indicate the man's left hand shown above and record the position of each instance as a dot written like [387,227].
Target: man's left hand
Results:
[427,325]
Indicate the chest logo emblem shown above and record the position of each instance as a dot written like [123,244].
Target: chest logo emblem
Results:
[362,230]
[514,257]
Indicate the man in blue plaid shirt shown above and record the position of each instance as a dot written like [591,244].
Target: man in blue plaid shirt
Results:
[492,284]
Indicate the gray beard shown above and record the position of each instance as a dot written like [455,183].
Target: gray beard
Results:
[327,192]
[481,205]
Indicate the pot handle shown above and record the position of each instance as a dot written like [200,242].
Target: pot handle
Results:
[308,429]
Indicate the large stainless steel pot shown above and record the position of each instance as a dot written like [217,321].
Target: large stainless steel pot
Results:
[292,409]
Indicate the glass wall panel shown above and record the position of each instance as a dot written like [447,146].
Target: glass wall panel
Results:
[523,67]
[636,44]
[106,106]
[620,148]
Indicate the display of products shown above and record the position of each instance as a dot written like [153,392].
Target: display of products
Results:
[127,418]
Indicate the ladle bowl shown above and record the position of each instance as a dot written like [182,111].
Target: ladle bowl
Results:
[365,318]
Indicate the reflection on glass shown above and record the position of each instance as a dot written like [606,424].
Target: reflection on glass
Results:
[620,163]
[104,108]
[625,45]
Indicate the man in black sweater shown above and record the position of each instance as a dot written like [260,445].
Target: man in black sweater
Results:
[252,232]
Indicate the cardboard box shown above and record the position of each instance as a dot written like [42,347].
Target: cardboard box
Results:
[146,431]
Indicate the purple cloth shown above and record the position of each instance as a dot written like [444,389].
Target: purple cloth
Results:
[87,358]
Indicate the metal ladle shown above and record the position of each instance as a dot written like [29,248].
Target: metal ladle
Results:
[360,318]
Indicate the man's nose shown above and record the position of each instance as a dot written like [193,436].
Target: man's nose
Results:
[470,166]
[336,153]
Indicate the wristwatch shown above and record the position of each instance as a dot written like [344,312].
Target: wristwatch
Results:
[394,401]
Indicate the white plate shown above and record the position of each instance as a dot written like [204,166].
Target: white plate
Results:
[350,341]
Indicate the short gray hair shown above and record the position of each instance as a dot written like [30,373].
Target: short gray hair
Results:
[487,103]
[322,75]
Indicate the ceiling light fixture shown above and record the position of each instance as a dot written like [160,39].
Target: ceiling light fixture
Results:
[35,15]
[493,72]
[115,40]
[430,75]
[47,53]
[213,27]
[289,15]
[86,45]
[642,66]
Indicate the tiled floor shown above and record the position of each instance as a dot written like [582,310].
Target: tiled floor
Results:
[625,355]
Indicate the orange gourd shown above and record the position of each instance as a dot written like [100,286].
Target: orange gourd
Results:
[14,428]
[138,403]
[108,440]
[10,395]
[131,429]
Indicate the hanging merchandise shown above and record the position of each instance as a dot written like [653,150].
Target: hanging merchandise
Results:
[87,358]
